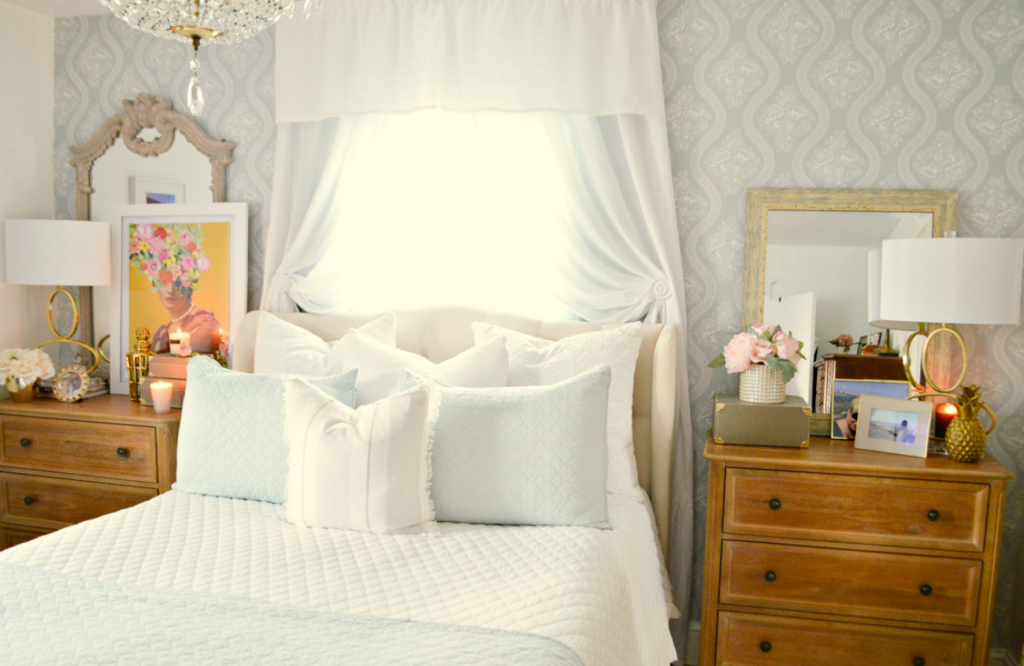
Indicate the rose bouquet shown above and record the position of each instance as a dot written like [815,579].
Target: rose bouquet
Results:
[171,258]
[24,366]
[761,343]
[845,341]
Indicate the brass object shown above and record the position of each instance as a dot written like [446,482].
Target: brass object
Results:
[965,436]
[61,338]
[138,362]
[71,383]
[22,392]
[929,383]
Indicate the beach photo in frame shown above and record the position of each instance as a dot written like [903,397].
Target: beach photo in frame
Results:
[845,405]
[155,191]
[176,267]
[895,426]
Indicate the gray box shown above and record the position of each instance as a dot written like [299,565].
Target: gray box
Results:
[748,424]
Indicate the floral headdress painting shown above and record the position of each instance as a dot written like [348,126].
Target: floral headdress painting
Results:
[171,258]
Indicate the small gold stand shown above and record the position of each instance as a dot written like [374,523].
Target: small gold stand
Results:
[138,362]
[66,339]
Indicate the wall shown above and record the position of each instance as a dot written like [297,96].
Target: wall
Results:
[847,93]
[100,61]
[26,172]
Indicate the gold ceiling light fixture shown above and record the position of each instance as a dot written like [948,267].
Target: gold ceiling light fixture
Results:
[199,22]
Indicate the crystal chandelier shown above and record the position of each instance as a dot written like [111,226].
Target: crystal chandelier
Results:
[200,22]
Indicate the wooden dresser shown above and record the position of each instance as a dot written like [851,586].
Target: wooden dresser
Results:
[832,556]
[62,463]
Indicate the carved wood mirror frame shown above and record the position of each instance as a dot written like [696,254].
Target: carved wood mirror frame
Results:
[144,112]
[942,204]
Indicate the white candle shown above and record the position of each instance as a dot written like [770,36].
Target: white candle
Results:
[161,396]
[178,340]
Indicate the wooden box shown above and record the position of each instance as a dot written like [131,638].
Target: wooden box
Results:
[738,422]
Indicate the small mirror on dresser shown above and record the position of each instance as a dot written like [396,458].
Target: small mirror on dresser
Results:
[808,261]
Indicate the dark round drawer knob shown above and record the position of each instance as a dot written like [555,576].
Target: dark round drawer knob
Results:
[766,646]
[775,504]
[918,661]
[29,501]
[770,576]
[26,442]
[926,590]
[933,515]
[123,452]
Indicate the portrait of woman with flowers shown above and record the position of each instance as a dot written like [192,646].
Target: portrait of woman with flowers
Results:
[173,261]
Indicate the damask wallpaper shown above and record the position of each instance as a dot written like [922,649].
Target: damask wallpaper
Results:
[759,93]
[847,93]
[100,61]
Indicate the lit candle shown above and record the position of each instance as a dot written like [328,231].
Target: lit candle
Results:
[179,340]
[223,346]
[161,396]
[944,415]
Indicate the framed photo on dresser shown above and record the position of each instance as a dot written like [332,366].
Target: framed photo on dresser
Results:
[177,268]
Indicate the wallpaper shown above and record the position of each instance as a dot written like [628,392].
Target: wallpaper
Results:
[846,93]
[100,61]
[759,93]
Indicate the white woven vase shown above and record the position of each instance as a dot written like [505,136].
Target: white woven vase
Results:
[762,385]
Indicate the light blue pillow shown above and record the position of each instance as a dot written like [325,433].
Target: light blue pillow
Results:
[231,439]
[529,455]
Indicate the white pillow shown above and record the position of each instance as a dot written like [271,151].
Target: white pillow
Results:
[284,348]
[365,469]
[536,362]
[381,368]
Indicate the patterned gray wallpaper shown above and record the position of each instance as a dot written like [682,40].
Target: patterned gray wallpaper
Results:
[759,93]
[100,61]
[847,93]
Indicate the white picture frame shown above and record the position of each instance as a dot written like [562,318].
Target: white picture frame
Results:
[155,191]
[889,425]
[235,214]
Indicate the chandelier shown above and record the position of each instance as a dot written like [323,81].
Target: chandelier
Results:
[200,22]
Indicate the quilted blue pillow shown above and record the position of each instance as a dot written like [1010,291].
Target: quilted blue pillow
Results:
[525,455]
[231,440]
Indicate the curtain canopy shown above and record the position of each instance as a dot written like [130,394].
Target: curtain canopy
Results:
[589,56]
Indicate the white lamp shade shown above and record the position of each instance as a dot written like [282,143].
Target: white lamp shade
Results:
[952,280]
[875,296]
[57,252]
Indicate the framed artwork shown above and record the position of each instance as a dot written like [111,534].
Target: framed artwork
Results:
[153,191]
[176,267]
[894,426]
[846,403]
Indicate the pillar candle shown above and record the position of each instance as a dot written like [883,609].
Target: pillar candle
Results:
[944,415]
[161,396]
[178,340]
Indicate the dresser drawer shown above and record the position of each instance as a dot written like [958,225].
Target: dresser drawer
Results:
[762,640]
[9,538]
[856,509]
[77,447]
[35,501]
[852,583]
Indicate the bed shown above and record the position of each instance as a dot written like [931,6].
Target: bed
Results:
[187,578]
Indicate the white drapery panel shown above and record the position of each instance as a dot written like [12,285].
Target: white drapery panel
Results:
[359,56]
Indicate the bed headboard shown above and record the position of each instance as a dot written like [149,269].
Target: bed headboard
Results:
[441,333]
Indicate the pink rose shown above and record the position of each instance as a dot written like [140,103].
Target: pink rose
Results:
[203,264]
[761,349]
[144,232]
[185,237]
[152,267]
[184,350]
[156,245]
[787,345]
[739,351]
[133,245]
[164,254]
[175,270]
[188,263]
[760,328]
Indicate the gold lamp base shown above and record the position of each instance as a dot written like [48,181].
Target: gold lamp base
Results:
[60,338]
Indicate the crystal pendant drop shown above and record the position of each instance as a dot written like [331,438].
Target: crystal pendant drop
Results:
[196,103]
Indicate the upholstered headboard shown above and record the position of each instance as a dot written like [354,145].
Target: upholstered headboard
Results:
[441,333]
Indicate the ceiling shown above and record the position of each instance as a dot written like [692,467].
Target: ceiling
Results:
[61,8]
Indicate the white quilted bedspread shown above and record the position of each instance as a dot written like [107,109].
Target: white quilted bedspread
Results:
[600,592]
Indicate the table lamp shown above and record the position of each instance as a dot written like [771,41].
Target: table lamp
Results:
[61,253]
[952,281]
[875,305]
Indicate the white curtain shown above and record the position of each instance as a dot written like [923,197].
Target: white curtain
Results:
[591,67]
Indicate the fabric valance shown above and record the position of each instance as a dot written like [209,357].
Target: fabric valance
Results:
[599,57]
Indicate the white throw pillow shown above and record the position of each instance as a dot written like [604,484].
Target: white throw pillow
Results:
[381,368]
[536,362]
[284,348]
[365,469]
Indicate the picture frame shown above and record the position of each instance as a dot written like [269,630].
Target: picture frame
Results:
[71,383]
[193,278]
[846,391]
[155,191]
[894,426]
